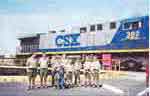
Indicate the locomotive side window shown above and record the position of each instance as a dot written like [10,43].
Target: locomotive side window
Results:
[99,27]
[83,29]
[62,30]
[140,24]
[127,25]
[52,31]
[135,25]
[92,28]
[112,25]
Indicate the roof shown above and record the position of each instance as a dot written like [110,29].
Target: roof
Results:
[28,35]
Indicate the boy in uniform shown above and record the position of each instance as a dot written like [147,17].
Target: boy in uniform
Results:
[55,66]
[43,61]
[77,67]
[32,70]
[61,81]
[95,69]
[69,72]
[59,73]
[87,72]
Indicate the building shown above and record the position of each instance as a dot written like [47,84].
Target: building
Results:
[29,42]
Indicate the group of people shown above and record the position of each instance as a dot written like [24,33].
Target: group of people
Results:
[65,72]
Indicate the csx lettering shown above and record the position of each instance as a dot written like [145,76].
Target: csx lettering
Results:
[67,40]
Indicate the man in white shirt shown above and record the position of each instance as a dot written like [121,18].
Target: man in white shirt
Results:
[87,71]
[95,69]
[77,67]
[32,70]
[43,61]
[58,72]
[55,60]
[68,70]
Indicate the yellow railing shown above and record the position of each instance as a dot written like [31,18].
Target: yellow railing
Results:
[98,51]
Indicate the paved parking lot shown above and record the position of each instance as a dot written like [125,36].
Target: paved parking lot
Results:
[125,85]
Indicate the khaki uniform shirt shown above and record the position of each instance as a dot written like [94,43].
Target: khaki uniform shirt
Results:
[31,63]
[95,65]
[43,62]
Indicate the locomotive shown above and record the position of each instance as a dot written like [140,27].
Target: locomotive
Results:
[127,40]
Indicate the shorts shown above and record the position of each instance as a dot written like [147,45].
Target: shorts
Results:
[69,76]
[32,72]
[87,74]
[96,74]
[43,72]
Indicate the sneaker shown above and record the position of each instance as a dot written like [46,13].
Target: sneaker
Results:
[33,87]
[45,86]
[100,85]
[29,88]
[82,85]
[40,87]
[85,85]
[95,86]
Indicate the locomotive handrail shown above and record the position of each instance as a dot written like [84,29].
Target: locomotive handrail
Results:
[98,51]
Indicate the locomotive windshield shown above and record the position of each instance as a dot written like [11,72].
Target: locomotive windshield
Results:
[132,25]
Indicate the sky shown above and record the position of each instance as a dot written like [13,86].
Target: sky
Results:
[31,16]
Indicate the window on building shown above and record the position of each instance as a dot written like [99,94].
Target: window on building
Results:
[36,46]
[92,28]
[112,25]
[83,29]
[99,27]
[25,48]
[28,48]
[22,48]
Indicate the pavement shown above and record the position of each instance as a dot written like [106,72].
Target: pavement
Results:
[124,85]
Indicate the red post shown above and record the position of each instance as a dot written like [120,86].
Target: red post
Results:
[147,75]
[107,61]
